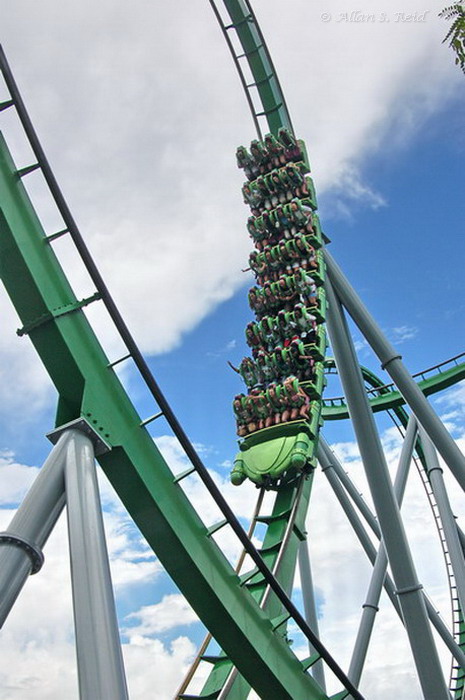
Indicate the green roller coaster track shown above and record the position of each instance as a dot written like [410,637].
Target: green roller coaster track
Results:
[246,613]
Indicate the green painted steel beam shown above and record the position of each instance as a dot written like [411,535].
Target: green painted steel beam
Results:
[88,387]
[261,65]
[394,399]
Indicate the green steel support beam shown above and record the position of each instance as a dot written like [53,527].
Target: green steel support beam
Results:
[88,387]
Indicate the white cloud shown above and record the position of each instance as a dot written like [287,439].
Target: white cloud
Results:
[402,333]
[453,397]
[141,131]
[154,668]
[361,345]
[171,612]
[23,379]
[15,479]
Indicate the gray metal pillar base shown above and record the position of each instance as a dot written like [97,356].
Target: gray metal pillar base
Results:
[409,591]
[100,661]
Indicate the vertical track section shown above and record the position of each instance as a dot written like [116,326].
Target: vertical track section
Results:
[263,90]
[286,524]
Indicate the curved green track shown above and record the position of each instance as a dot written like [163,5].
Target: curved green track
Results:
[389,398]
[252,636]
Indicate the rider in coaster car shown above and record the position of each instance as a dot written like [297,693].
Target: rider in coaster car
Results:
[306,252]
[261,268]
[277,189]
[275,151]
[252,197]
[273,263]
[254,262]
[288,292]
[301,215]
[271,300]
[286,258]
[298,184]
[242,418]
[248,371]
[265,369]
[249,414]
[280,360]
[260,225]
[269,223]
[305,287]
[298,399]
[291,147]
[283,222]
[246,163]
[259,407]
[273,394]
[285,328]
[305,323]
[256,302]
[260,156]
[253,337]
[302,365]
[263,192]
[252,230]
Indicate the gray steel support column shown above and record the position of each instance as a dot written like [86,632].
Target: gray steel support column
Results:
[391,361]
[32,524]
[448,522]
[327,466]
[350,487]
[99,657]
[308,595]
[408,588]
[330,464]
[370,607]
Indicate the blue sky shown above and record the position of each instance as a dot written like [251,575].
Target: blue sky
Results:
[157,195]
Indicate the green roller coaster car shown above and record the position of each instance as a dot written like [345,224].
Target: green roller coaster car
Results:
[267,454]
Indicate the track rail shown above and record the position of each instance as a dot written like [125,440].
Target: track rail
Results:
[88,387]
[263,91]
[284,533]
[386,397]
[208,637]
